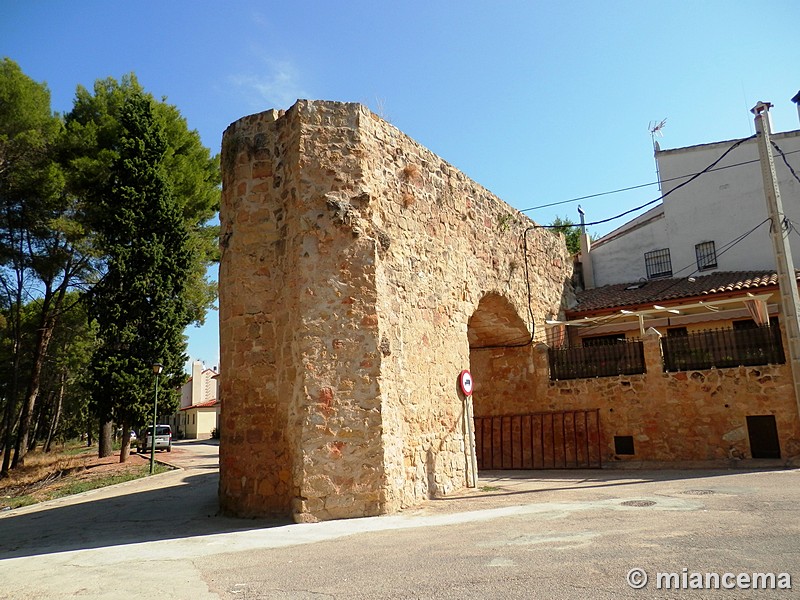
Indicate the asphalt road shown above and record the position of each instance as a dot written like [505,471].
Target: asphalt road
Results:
[565,534]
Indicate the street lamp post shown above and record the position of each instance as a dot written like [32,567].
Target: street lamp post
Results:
[157,367]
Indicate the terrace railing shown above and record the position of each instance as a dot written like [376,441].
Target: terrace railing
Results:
[623,357]
[723,348]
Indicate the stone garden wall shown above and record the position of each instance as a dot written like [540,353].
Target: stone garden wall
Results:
[674,418]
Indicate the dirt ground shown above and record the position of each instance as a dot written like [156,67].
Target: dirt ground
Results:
[46,476]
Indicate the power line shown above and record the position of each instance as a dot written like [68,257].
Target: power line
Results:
[786,162]
[725,247]
[633,187]
[643,185]
[662,196]
[677,187]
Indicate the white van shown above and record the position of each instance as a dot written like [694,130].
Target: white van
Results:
[163,438]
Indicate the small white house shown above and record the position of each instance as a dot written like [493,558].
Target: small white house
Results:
[198,414]
[697,228]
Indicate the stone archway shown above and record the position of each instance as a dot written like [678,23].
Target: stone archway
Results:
[496,322]
[352,264]
[498,341]
[500,359]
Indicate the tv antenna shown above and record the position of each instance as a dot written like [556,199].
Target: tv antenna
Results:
[656,129]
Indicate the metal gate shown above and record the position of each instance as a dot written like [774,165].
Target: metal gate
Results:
[545,440]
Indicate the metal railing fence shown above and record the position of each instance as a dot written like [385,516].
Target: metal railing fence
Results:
[622,357]
[723,348]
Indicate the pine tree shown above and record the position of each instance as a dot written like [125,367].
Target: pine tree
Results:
[572,234]
[93,147]
[140,305]
[41,244]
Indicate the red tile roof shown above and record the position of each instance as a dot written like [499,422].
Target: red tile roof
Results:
[201,405]
[656,291]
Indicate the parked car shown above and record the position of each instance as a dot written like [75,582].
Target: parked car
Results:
[119,434]
[163,438]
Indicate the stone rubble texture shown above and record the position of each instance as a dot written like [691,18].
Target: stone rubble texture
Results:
[357,270]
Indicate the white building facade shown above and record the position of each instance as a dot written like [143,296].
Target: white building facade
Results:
[198,415]
[694,231]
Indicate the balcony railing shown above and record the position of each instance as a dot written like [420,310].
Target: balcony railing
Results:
[623,357]
[723,348]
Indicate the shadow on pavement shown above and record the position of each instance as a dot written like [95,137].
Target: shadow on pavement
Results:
[524,482]
[189,508]
[182,510]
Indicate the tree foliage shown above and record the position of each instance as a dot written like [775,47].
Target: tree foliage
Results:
[572,233]
[99,131]
[38,255]
[78,197]
[140,304]
[93,132]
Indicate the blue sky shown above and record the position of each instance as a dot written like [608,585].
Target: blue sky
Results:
[540,102]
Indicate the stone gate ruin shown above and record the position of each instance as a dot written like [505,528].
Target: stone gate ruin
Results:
[357,271]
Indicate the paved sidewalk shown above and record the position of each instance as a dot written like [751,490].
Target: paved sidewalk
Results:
[164,532]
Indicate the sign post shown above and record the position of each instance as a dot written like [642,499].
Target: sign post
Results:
[465,381]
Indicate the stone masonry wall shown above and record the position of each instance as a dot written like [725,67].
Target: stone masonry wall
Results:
[673,417]
[353,260]
[257,291]
[444,244]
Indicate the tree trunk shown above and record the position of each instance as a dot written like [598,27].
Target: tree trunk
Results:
[8,437]
[89,431]
[14,424]
[57,417]
[15,302]
[125,450]
[105,445]
[41,411]
[11,403]
[52,303]
[43,340]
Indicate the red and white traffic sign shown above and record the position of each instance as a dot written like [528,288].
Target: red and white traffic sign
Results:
[465,381]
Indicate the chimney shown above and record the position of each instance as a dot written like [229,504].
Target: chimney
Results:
[796,100]
[585,255]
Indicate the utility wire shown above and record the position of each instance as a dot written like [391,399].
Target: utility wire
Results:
[627,212]
[525,238]
[633,187]
[724,248]
[662,196]
[642,185]
[786,162]
[525,241]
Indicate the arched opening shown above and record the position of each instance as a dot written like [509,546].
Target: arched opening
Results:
[499,356]
[496,323]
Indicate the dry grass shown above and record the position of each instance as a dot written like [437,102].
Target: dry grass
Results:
[40,466]
[65,471]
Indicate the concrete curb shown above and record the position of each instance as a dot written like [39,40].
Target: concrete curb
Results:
[106,491]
